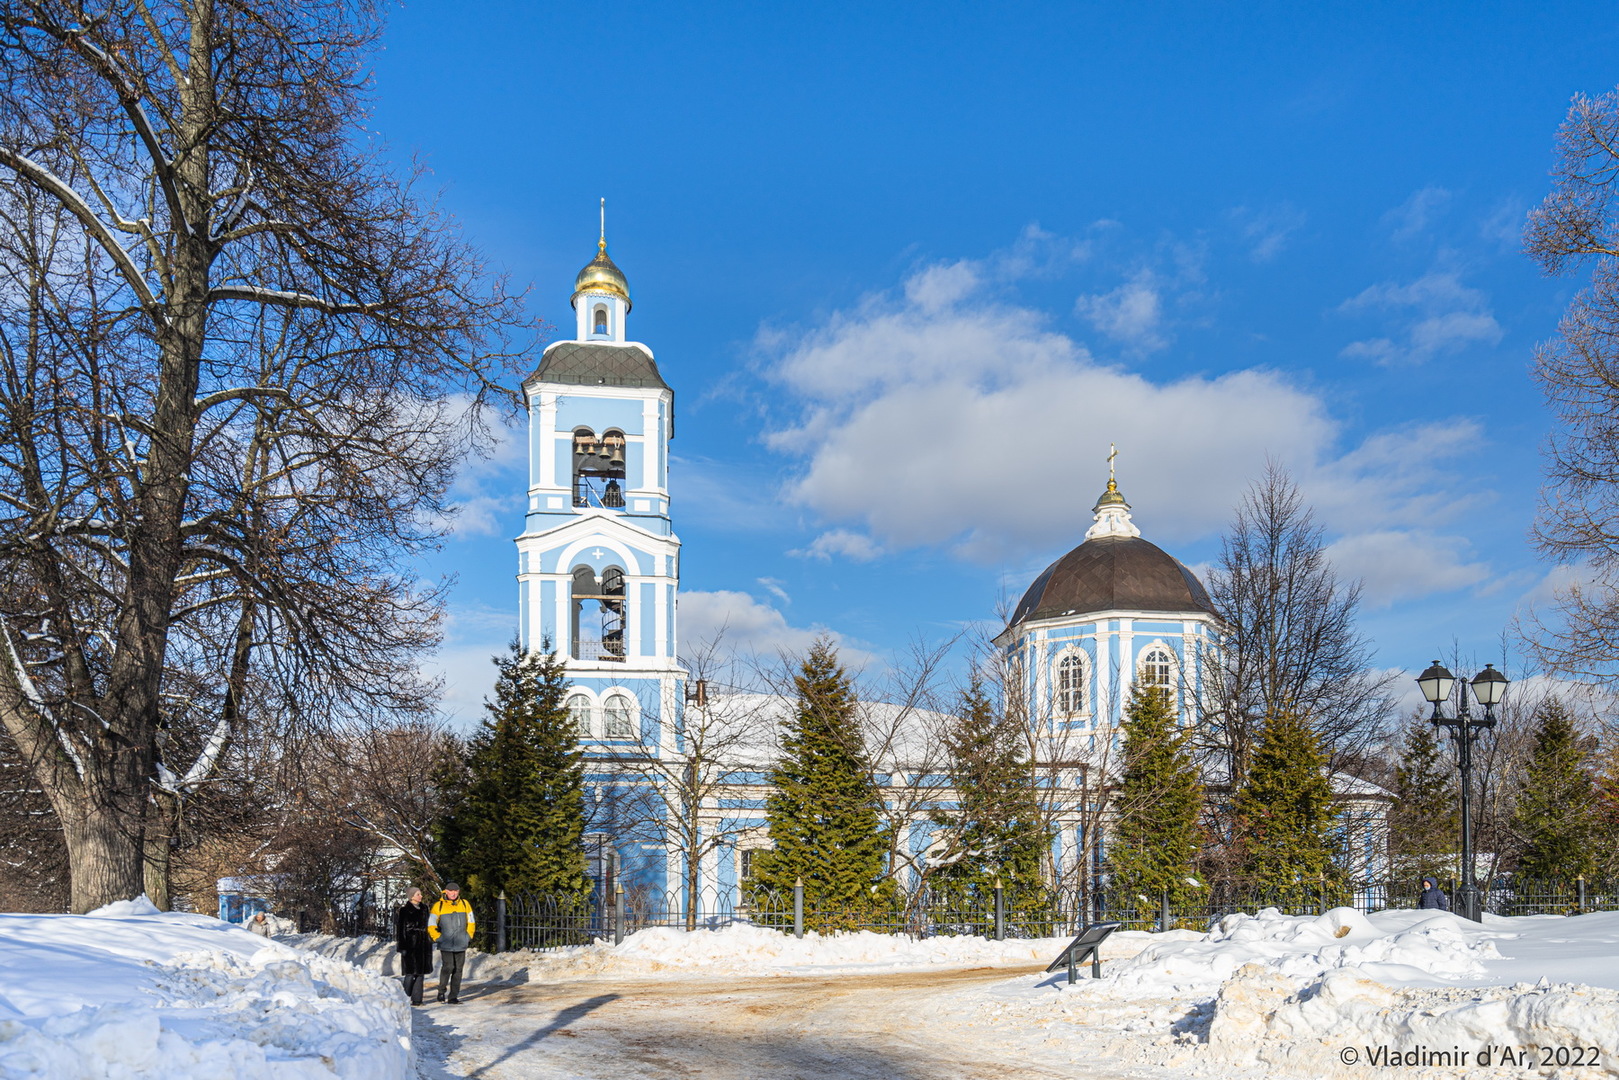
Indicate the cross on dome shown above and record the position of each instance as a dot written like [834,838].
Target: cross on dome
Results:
[1112,512]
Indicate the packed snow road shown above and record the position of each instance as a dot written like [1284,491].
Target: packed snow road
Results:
[861,1027]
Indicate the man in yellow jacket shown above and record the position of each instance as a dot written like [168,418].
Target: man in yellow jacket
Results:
[451,925]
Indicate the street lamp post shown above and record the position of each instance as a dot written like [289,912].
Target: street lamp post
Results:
[1489,686]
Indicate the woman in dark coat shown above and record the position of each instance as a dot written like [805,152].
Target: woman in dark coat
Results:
[415,947]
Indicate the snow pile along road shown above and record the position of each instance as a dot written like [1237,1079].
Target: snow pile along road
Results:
[130,992]
[1333,994]
[732,950]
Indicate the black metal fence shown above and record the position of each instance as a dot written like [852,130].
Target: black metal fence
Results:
[553,922]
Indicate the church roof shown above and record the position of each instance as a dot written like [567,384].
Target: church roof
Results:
[1114,573]
[599,363]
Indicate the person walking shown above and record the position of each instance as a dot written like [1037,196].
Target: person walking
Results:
[1432,897]
[451,925]
[259,925]
[415,947]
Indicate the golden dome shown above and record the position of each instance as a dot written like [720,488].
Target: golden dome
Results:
[600,275]
[1111,497]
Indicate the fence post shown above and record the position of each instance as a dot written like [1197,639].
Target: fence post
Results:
[1163,912]
[1580,885]
[1000,911]
[500,922]
[618,913]
[798,908]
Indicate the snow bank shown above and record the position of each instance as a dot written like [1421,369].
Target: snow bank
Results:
[731,950]
[1326,995]
[130,992]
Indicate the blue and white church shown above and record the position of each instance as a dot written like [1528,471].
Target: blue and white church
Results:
[598,573]
[598,561]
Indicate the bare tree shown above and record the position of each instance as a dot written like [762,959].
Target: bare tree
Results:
[677,790]
[1291,642]
[904,731]
[1577,227]
[229,333]
[382,780]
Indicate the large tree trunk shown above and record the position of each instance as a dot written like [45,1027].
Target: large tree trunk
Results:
[103,856]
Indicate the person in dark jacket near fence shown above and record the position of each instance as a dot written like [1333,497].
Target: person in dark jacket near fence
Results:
[415,947]
[1432,897]
[452,926]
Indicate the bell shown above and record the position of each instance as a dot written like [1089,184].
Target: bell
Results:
[616,459]
[614,495]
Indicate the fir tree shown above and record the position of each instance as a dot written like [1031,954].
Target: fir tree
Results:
[822,812]
[997,824]
[1156,834]
[518,821]
[1607,815]
[1285,815]
[1424,822]
[1553,815]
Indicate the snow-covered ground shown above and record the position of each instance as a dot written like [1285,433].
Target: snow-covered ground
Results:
[736,950]
[1340,995]
[1267,995]
[128,992]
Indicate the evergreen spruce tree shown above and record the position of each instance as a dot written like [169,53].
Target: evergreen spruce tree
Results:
[822,813]
[1285,814]
[997,822]
[518,822]
[1556,802]
[1607,815]
[1156,833]
[1424,822]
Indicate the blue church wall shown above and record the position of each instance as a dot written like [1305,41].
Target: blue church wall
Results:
[598,414]
[646,596]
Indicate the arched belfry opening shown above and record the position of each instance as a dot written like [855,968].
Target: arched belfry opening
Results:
[598,468]
[598,614]
[598,320]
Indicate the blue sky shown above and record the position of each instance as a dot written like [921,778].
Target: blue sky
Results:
[911,268]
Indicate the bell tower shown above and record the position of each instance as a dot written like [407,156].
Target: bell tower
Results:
[598,562]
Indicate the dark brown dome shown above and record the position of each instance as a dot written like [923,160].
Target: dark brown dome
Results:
[1114,573]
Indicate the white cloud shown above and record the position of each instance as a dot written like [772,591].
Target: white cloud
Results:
[850,545]
[1557,582]
[1132,314]
[1433,315]
[1504,224]
[774,587]
[473,636]
[1267,231]
[743,626]
[490,490]
[1413,216]
[971,424]
[1395,565]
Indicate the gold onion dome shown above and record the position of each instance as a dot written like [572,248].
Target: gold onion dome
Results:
[1111,497]
[601,275]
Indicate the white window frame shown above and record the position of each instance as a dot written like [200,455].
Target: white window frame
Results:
[1071,701]
[630,715]
[587,728]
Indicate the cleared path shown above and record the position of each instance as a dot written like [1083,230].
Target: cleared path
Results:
[861,1027]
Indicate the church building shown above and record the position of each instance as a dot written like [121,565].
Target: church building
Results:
[598,572]
[598,562]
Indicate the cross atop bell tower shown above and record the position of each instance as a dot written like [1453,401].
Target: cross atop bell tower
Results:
[601,294]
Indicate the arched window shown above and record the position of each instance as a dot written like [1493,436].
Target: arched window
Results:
[598,614]
[600,321]
[598,468]
[1071,685]
[579,715]
[620,717]
[1158,668]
